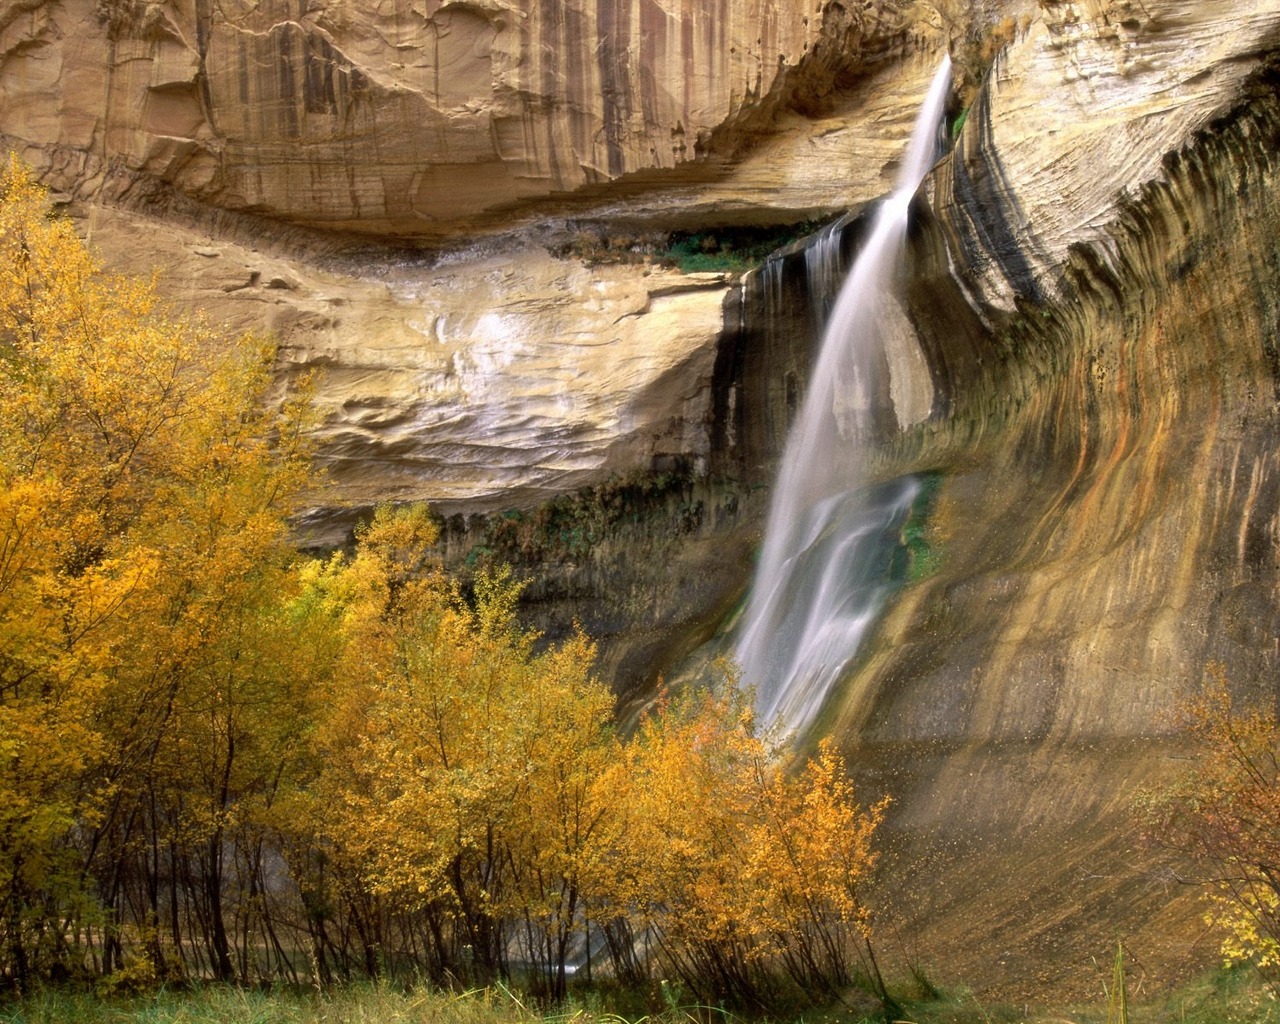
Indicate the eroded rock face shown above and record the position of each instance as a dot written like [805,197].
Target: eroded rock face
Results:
[473,375]
[1078,115]
[1099,298]
[495,379]
[1112,510]
[1107,528]
[1124,397]
[405,117]
[489,378]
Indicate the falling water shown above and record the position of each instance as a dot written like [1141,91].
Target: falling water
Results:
[817,589]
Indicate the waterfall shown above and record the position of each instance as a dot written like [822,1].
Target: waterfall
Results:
[817,588]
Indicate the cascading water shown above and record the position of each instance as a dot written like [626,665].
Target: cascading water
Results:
[817,588]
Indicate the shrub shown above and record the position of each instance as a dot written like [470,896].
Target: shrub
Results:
[1225,813]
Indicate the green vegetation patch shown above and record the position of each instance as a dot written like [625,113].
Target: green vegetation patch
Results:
[1235,996]
[733,250]
[359,1003]
[919,555]
[570,525]
[709,249]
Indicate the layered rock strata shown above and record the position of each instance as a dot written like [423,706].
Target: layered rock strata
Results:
[410,117]
[1107,525]
[1117,380]
[1106,528]
[1095,291]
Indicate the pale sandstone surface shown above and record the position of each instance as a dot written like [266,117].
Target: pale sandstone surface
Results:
[808,165]
[1079,113]
[400,116]
[491,377]
[494,374]
[1117,183]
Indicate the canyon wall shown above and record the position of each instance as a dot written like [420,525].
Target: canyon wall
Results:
[1107,520]
[452,209]
[404,117]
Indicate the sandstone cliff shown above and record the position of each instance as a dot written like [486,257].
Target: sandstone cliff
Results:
[407,117]
[1109,514]
[464,372]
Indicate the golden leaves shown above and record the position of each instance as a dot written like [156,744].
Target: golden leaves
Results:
[185,705]
[472,778]
[746,871]
[1225,813]
[142,559]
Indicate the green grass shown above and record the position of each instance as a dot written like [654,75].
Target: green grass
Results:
[355,1004]
[362,1003]
[1223,997]
[1236,996]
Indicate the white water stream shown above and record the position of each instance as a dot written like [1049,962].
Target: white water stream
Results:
[818,588]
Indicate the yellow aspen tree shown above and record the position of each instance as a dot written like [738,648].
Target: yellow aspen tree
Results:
[440,765]
[1225,814]
[743,876]
[683,786]
[143,543]
[808,859]
[334,824]
[563,745]
[460,778]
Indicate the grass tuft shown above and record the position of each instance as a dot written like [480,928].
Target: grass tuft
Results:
[1237,996]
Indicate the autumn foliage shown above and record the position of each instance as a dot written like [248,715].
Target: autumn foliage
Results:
[1225,813]
[142,543]
[219,758]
